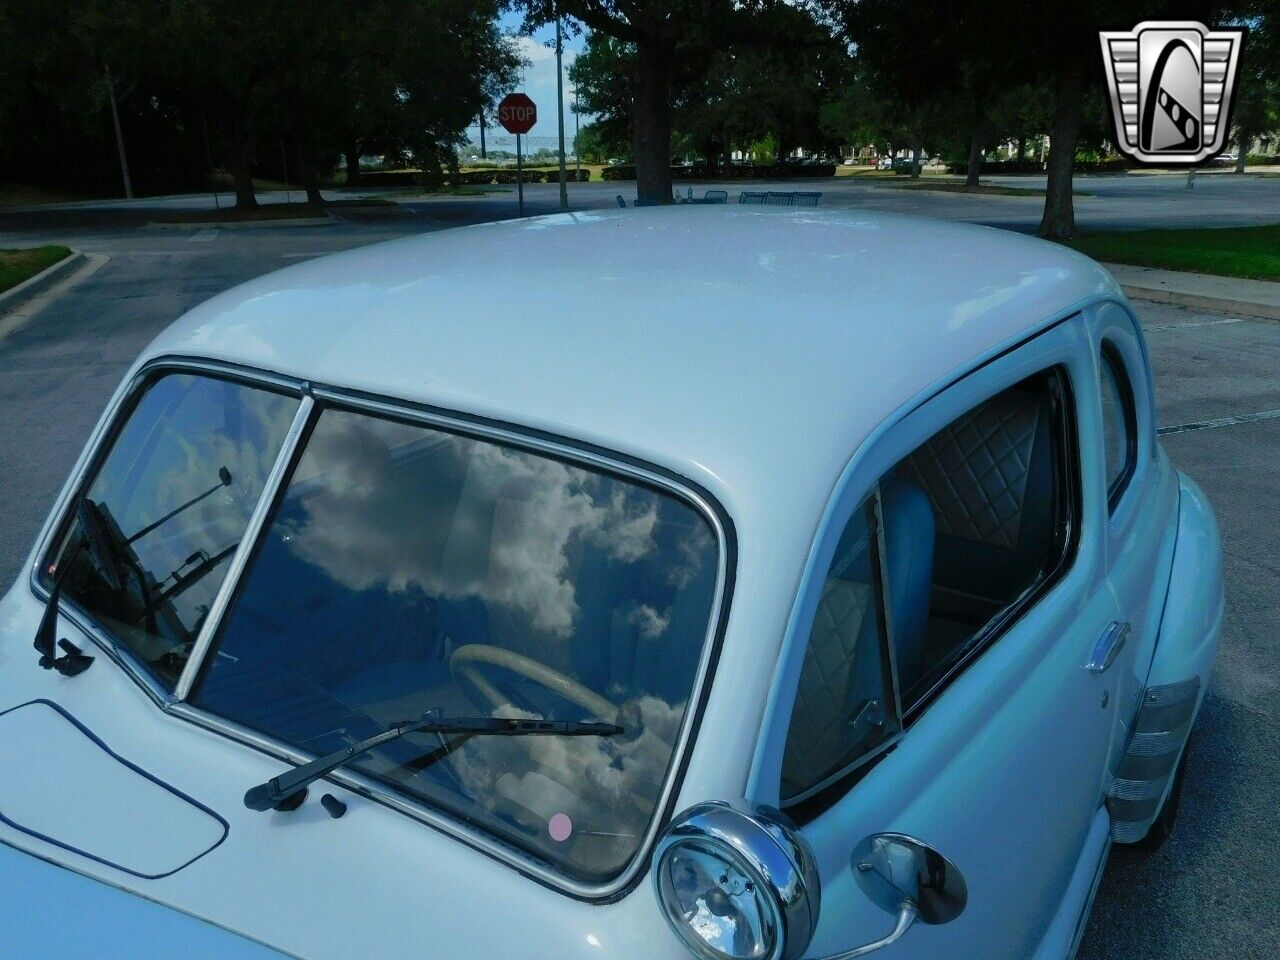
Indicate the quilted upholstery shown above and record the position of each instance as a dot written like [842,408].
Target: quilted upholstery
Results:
[974,471]
[819,733]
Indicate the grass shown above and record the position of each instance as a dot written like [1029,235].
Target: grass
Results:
[17,195]
[959,186]
[19,265]
[269,211]
[1250,252]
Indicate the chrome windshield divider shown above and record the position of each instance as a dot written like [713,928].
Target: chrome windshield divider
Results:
[240,559]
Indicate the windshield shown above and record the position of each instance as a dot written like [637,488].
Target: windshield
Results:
[173,497]
[408,569]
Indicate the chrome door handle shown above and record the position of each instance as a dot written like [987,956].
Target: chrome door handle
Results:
[1108,647]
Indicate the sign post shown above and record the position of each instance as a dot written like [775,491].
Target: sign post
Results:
[517,114]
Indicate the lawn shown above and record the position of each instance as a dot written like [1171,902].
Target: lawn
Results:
[959,186]
[1252,252]
[18,265]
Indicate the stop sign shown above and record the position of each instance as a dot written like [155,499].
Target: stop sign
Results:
[517,113]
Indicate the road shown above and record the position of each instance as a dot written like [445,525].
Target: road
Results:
[1106,202]
[1209,892]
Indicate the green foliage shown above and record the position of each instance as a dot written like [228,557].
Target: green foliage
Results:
[1252,252]
[398,77]
[19,265]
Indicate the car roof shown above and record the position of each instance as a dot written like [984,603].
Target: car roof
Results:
[748,348]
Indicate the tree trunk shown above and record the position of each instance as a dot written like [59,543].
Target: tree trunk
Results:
[652,121]
[916,161]
[1059,220]
[311,183]
[1242,154]
[1022,147]
[242,168]
[352,157]
[974,171]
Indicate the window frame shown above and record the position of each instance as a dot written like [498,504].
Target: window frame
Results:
[315,398]
[1109,355]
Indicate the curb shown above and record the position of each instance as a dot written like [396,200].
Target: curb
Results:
[242,224]
[1159,291]
[46,278]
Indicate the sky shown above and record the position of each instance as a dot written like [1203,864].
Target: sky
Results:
[539,82]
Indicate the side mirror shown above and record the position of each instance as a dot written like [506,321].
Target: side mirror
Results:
[908,879]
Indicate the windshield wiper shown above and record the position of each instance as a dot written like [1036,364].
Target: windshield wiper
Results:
[95,539]
[287,791]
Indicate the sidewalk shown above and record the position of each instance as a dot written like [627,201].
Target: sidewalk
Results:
[1250,298]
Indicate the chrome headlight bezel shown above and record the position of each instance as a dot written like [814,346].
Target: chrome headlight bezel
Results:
[764,846]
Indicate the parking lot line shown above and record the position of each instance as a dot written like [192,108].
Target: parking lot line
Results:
[1219,422]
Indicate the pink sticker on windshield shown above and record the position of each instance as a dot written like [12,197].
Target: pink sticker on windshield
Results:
[560,827]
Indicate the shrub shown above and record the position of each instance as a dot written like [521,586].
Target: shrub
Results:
[1261,160]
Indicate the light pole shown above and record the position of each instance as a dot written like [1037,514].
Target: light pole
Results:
[115,118]
[564,190]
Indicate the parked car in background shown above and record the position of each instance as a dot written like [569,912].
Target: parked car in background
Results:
[405,602]
[1227,159]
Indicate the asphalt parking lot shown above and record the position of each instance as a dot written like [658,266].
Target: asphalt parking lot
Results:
[1210,892]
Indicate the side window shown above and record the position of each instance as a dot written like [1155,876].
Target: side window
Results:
[845,709]
[999,486]
[1119,422]
[974,525]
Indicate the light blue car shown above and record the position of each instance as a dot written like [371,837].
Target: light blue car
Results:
[746,583]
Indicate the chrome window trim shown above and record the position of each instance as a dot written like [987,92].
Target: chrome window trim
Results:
[244,550]
[315,398]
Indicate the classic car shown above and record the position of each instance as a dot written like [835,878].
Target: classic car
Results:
[740,583]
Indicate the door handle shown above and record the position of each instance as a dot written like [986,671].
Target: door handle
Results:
[1108,647]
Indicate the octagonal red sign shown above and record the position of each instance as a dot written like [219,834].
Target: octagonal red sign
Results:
[517,113]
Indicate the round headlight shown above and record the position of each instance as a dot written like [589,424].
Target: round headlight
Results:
[737,884]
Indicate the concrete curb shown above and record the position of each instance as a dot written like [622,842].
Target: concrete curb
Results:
[42,281]
[1249,298]
[243,224]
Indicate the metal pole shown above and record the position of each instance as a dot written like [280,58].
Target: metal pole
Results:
[519,175]
[482,153]
[577,157]
[564,191]
[284,165]
[115,118]
[208,156]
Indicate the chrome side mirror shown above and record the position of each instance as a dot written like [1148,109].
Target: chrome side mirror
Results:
[737,883]
[908,879]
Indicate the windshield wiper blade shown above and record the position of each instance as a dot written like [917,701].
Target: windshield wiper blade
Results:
[287,791]
[94,539]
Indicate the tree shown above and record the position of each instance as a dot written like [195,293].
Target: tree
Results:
[1256,108]
[667,37]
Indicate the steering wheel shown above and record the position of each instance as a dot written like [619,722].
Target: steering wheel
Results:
[463,663]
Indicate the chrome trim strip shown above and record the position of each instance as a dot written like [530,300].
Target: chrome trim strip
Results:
[364,786]
[244,550]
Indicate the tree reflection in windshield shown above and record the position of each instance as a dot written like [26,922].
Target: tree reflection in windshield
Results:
[408,569]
